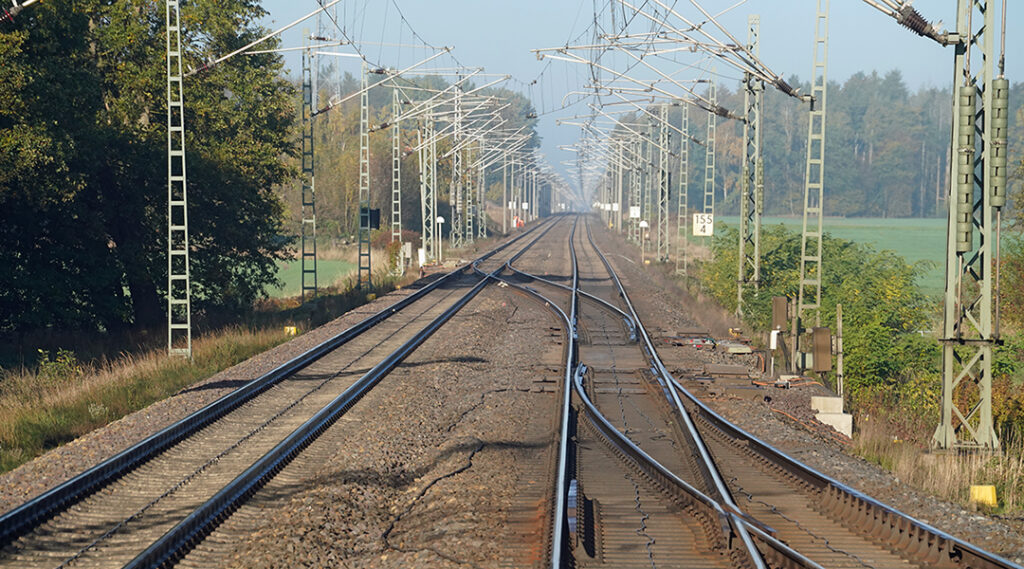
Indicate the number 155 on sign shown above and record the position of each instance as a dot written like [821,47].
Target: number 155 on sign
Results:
[703,224]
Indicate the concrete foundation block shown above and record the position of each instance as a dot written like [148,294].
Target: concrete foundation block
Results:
[841,422]
[827,404]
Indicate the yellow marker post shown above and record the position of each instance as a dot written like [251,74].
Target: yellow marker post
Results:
[984,495]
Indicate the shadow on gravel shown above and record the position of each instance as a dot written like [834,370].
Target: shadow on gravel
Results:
[424,281]
[395,476]
[456,360]
[222,384]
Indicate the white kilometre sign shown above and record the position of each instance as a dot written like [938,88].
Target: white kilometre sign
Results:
[634,212]
[703,224]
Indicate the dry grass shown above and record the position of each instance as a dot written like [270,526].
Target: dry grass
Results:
[948,476]
[348,253]
[43,409]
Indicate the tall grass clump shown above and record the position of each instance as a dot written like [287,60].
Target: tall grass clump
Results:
[948,475]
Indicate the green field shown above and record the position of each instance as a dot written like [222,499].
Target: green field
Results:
[291,273]
[913,239]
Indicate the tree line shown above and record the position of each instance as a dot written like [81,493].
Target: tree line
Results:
[886,148]
[83,164]
[336,145]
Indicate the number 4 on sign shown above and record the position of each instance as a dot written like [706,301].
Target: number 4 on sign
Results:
[703,224]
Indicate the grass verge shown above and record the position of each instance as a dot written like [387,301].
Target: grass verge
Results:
[948,476]
[62,401]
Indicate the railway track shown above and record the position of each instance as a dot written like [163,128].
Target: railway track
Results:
[646,475]
[150,504]
[657,479]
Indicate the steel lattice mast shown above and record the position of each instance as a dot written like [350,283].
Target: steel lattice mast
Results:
[661,235]
[426,223]
[364,276]
[481,196]
[976,195]
[470,191]
[456,188]
[505,191]
[709,154]
[809,297]
[396,180]
[752,200]
[635,189]
[428,190]
[534,201]
[649,184]
[308,180]
[620,172]
[179,293]
[682,225]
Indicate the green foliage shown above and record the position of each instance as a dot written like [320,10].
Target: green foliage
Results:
[1012,285]
[64,368]
[83,163]
[883,308]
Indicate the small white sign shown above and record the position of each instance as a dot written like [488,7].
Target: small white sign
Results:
[526,206]
[421,256]
[703,224]
[606,206]
[511,205]
[615,206]
[634,212]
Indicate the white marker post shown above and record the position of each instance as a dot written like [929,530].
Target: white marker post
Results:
[643,236]
[440,241]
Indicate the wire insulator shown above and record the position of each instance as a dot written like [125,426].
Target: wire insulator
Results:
[786,88]
[6,16]
[910,18]
[997,157]
[964,169]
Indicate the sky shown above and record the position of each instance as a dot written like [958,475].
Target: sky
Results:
[498,35]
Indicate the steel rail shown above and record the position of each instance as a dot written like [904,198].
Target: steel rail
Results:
[740,520]
[860,511]
[190,530]
[685,493]
[592,297]
[643,462]
[34,512]
[559,519]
